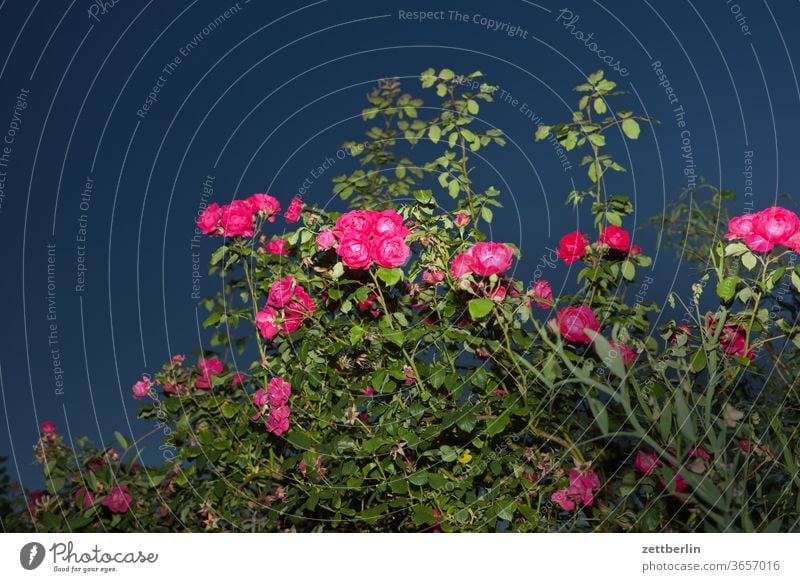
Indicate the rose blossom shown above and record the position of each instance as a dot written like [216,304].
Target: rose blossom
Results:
[355,221]
[265,204]
[276,247]
[355,251]
[237,219]
[281,292]
[543,294]
[142,387]
[740,226]
[390,251]
[775,224]
[294,210]
[48,427]
[462,220]
[615,238]
[83,498]
[326,239]
[573,320]
[581,489]
[389,222]
[572,247]
[207,368]
[432,276]
[625,351]
[646,463]
[278,391]
[489,258]
[278,420]
[117,499]
[265,321]
[208,221]
[461,266]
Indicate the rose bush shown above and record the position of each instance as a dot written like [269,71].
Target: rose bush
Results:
[384,369]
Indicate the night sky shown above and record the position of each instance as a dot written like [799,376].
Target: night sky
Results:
[118,119]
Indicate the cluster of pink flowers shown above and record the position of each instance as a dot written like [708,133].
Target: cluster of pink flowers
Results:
[483,259]
[272,403]
[581,490]
[208,367]
[761,231]
[647,463]
[238,218]
[117,499]
[367,236]
[288,305]
[573,246]
[142,387]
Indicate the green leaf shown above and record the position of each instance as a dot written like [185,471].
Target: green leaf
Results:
[230,409]
[422,515]
[337,270]
[608,355]
[123,442]
[467,422]
[453,188]
[499,424]
[749,260]
[434,133]
[448,453]
[486,214]
[796,280]
[446,74]
[395,336]
[726,288]
[390,276]
[473,107]
[628,270]
[420,478]
[542,132]
[599,106]
[631,128]
[699,360]
[479,308]
[682,415]
[356,333]
[600,413]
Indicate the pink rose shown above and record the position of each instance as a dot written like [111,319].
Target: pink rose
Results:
[294,210]
[461,266]
[462,220]
[281,292]
[265,322]
[354,249]
[432,276]
[238,378]
[299,309]
[142,387]
[646,463]
[48,427]
[775,224]
[390,251]
[582,485]
[278,391]
[740,226]
[572,321]
[572,247]
[276,246]
[699,452]
[615,238]
[326,239]
[489,258]
[355,222]
[278,420]
[237,219]
[207,368]
[265,205]
[208,221]
[543,294]
[117,499]
[560,497]
[83,497]
[625,352]
[389,222]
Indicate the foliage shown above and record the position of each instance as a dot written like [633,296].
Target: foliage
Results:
[437,393]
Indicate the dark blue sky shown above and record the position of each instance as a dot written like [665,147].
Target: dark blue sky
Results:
[111,179]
